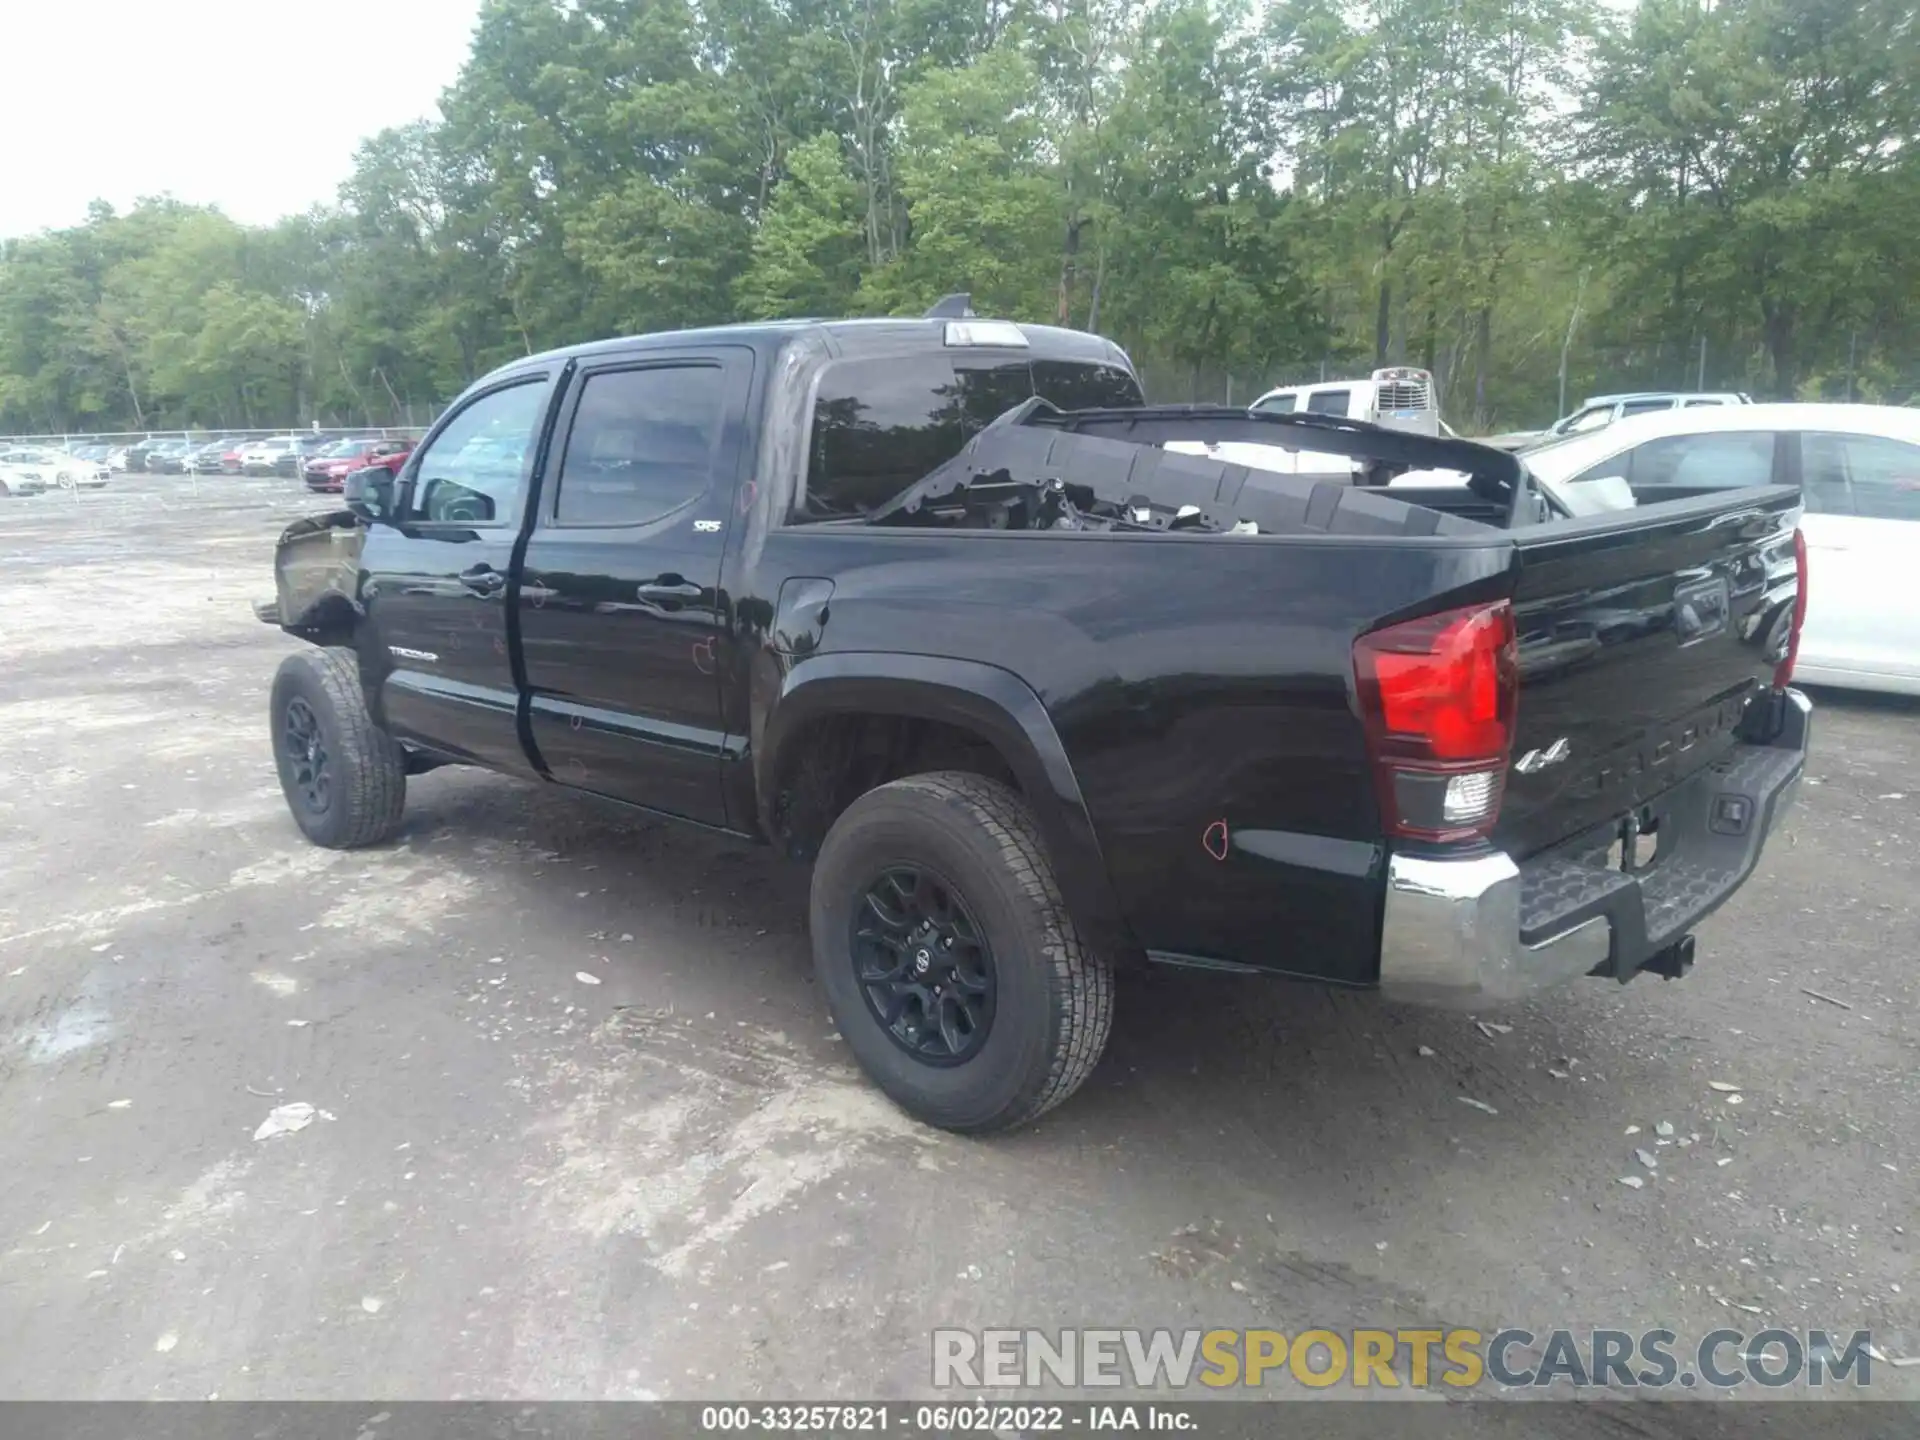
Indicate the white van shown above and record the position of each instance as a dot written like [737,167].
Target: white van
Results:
[1400,398]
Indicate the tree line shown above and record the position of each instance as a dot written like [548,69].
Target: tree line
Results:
[1528,197]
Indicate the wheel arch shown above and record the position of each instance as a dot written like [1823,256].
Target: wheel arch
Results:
[329,619]
[829,697]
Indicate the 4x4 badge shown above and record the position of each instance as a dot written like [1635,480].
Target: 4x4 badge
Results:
[1534,761]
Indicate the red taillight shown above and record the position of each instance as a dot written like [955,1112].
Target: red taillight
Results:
[1437,697]
[1783,672]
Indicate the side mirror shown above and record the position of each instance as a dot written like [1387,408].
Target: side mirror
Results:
[369,493]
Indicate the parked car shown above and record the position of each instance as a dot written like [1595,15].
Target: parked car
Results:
[303,448]
[20,478]
[56,467]
[328,470]
[1858,467]
[116,458]
[1597,412]
[1037,698]
[204,458]
[137,454]
[261,456]
[169,457]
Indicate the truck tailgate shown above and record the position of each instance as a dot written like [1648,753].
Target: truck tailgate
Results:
[1642,636]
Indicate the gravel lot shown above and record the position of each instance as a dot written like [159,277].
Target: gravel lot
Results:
[672,1183]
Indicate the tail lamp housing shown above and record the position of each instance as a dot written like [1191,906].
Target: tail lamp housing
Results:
[1783,672]
[1437,698]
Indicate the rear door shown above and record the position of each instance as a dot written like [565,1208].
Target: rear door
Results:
[620,610]
[1642,635]
[436,581]
[1863,544]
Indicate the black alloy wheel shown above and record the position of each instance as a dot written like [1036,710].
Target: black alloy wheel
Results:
[306,753]
[923,966]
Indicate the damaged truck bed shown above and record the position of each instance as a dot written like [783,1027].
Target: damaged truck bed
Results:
[933,605]
[1038,468]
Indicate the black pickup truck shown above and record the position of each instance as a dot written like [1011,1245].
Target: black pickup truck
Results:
[941,606]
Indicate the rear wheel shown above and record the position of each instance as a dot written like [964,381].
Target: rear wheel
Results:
[948,957]
[344,777]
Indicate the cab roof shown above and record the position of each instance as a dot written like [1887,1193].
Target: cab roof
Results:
[843,339]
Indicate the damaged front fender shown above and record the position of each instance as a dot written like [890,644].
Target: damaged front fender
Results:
[316,571]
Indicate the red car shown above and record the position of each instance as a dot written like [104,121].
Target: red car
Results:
[230,458]
[327,471]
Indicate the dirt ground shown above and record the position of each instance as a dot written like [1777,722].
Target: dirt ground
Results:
[671,1182]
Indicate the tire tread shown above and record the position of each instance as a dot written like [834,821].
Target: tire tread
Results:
[373,768]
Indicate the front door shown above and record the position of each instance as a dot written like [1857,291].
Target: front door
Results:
[620,611]
[436,581]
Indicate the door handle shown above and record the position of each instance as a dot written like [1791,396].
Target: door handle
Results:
[668,591]
[483,580]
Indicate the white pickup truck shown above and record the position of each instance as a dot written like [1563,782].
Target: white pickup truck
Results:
[1399,398]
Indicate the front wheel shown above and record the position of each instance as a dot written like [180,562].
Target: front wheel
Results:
[344,777]
[948,957]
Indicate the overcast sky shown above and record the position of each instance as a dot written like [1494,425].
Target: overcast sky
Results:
[252,105]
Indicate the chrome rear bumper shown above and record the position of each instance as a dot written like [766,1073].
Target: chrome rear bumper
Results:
[1452,935]
[1483,930]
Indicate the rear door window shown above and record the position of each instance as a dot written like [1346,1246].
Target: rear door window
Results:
[1644,407]
[1823,476]
[1871,476]
[642,444]
[1329,402]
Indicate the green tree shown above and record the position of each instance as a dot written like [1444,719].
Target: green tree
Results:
[809,251]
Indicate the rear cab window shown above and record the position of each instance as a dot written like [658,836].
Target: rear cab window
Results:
[883,424]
